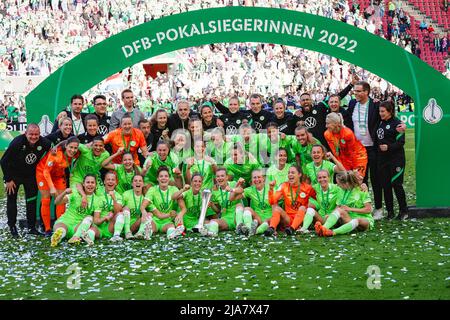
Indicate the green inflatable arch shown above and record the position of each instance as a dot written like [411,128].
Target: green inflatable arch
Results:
[429,88]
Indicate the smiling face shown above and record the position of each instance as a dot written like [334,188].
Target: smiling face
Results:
[317,154]
[72,149]
[126,124]
[334,103]
[279,110]
[233,105]
[128,99]
[302,136]
[258,179]
[282,157]
[294,176]
[127,161]
[145,128]
[333,126]
[196,128]
[360,95]
[100,106]
[199,148]
[196,183]
[92,127]
[110,181]
[183,110]
[77,106]
[323,178]
[162,150]
[255,104]
[89,185]
[66,127]
[98,147]
[32,134]
[221,177]
[384,114]
[163,178]
[306,102]
[207,114]
[138,183]
[161,119]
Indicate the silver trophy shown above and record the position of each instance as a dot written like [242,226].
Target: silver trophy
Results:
[206,197]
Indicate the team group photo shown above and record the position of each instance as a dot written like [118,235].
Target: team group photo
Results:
[204,167]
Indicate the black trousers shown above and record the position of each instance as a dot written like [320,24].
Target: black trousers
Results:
[31,191]
[372,170]
[391,177]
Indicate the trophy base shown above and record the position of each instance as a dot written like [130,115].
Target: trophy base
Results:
[197,228]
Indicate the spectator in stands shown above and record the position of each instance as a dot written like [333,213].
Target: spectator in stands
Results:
[423,25]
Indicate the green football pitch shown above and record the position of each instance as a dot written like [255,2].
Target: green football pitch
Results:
[397,260]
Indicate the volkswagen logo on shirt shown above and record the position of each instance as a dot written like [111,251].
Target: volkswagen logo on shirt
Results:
[310,122]
[30,158]
[102,130]
[231,129]
[380,133]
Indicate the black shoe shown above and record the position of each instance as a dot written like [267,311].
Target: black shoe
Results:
[14,232]
[48,234]
[35,232]
[402,216]
[289,231]
[269,232]
[390,216]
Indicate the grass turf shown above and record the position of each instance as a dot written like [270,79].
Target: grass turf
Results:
[412,257]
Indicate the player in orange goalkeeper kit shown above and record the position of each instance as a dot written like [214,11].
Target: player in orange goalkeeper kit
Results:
[296,196]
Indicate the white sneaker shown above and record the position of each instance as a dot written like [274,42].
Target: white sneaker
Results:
[85,237]
[116,239]
[203,231]
[303,231]
[378,214]
[253,227]
[129,236]
[139,236]
[177,233]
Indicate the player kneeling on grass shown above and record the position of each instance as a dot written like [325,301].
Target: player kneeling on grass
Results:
[226,199]
[109,205]
[163,203]
[77,220]
[326,196]
[256,218]
[296,195]
[353,208]
[131,220]
[192,196]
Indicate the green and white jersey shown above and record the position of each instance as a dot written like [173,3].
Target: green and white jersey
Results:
[105,203]
[326,200]
[124,178]
[303,151]
[162,200]
[171,162]
[219,153]
[354,198]
[86,164]
[205,168]
[259,201]
[311,170]
[280,176]
[133,202]
[74,208]
[241,170]
[222,198]
[193,203]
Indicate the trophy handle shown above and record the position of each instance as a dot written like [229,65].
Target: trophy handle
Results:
[206,197]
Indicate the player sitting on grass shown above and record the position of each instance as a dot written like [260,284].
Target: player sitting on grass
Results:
[77,220]
[131,220]
[353,208]
[163,204]
[326,196]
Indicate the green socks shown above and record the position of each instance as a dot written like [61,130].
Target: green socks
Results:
[332,219]
[247,219]
[126,221]
[262,228]
[308,219]
[84,226]
[118,226]
[170,231]
[347,228]
[239,215]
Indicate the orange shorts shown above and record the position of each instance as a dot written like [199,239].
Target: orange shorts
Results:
[59,183]
[361,167]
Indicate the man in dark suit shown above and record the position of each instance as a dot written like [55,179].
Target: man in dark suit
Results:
[76,105]
[365,117]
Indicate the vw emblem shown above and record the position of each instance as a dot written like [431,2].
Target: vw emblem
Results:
[380,133]
[30,158]
[310,122]
[231,130]
[102,130]
[258,126]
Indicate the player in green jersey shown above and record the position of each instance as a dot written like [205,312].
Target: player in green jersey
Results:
[155,161]
[241,164]
[270,143]
[301,146]
[163,204]
[76,221]
[218,148]
[131,220]
[319,156]
[353,208]
[226,199]
[278,171]
[325,203]
[202,164]
[125,171]
[89,162]
[109,205]
[256,218]
[192,195]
